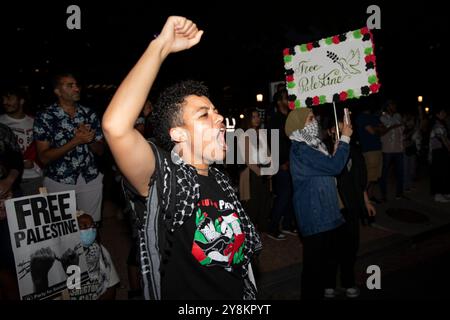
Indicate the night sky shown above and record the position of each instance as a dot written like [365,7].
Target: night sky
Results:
[241,49]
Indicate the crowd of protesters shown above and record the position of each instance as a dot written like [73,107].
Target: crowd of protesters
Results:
[324,187]
[60,146]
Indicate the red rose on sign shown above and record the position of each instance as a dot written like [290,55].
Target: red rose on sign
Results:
[336,39]
[343,96]
[374,87]
[364,30]
[290,78]
[316,100]
[309,46]
[291,105]
[286,52]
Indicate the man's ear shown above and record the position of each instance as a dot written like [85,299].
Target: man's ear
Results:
[178,134]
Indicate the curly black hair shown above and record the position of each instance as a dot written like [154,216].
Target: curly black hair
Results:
[167,112]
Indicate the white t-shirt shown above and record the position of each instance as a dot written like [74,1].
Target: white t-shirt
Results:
[23,129]
[392,142]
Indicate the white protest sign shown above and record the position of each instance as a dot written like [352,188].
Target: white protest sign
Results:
[45,239]
[331,70]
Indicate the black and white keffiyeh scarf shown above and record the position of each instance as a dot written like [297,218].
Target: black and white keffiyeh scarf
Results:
[98,267]
[180,192]
[310,135]
[188,196]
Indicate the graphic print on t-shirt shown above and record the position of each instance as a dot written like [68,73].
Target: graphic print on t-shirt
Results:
[218,238]
[24,138]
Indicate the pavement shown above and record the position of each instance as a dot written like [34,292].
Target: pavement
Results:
[404,233]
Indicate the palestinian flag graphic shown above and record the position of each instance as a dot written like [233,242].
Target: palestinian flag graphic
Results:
[218,242]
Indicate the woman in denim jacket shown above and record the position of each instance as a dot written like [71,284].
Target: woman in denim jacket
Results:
[316,201]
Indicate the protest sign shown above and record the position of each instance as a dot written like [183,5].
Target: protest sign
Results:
[331,70]
[45,239]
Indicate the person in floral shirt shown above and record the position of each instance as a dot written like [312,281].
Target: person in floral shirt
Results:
[67,137]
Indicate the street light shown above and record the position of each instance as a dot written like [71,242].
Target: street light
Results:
[259,97]
[427,109]
[420,98]
[241,116]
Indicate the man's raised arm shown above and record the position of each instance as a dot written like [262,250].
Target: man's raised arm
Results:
[131,151]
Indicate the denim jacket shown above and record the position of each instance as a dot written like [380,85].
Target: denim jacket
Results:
[315,199]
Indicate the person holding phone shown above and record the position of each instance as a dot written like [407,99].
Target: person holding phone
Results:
[316,201]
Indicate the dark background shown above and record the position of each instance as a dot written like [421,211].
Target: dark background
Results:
[239,55]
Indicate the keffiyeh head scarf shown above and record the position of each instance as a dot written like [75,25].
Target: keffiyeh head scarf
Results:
[310,135]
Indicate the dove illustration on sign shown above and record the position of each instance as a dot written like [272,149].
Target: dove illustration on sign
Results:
[347,64]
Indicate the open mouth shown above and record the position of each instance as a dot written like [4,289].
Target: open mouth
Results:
[221,138]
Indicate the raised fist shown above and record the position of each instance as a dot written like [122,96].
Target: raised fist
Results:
[40,263]
[70,257]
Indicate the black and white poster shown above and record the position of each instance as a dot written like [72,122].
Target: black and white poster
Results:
[46,241]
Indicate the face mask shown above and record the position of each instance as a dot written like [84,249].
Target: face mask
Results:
[88,236]
[312,128]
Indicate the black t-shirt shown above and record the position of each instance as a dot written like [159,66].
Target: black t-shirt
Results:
[207,252]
